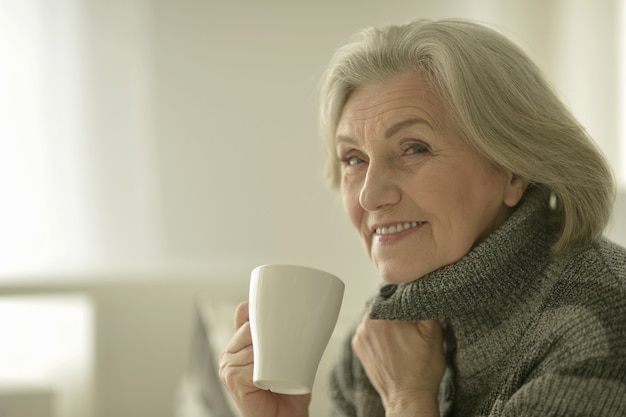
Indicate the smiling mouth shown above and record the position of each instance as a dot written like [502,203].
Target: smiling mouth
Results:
[397,228]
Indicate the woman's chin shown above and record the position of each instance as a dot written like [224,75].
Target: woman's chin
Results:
[397,277]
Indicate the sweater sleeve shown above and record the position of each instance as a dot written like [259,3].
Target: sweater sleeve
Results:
[352,393]
[577,365]
[595,389]
[341,384]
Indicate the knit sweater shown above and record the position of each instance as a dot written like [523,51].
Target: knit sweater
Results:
[527,333]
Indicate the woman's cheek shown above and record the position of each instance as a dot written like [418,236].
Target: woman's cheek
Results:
[350,191]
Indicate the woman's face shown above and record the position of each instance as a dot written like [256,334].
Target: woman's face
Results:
[419,196]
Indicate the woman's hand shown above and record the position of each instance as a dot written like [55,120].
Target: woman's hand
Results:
[235,370]
[404,361]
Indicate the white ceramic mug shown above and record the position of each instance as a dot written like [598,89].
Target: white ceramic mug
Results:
[293,312]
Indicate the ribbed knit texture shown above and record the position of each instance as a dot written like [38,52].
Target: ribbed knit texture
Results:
[528,334]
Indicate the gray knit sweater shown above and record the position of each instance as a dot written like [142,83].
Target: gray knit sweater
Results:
[528,334]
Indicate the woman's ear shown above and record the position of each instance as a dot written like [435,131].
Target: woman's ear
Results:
[514,190]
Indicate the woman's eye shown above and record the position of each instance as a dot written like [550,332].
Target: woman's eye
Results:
[415,149]
[352,161]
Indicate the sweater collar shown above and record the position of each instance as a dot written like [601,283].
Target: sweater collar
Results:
[494,272]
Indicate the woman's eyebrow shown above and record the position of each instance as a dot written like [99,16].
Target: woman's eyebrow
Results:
[393,129]
[345,139]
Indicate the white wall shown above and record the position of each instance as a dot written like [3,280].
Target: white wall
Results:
[133,345]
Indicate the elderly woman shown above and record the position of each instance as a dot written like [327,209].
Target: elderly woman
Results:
[481,201]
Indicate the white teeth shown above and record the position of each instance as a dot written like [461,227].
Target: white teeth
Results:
[396,228]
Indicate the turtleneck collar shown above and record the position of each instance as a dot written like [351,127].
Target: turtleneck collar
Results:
[494,272]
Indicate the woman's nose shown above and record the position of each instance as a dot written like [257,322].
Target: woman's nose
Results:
[379,190]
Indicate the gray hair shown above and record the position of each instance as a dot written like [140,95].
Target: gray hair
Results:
[501,102]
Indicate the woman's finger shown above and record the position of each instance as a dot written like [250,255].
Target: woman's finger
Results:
[431,331]
[242,314]
[241,339]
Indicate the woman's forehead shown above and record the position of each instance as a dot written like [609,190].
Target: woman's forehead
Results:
[386,103]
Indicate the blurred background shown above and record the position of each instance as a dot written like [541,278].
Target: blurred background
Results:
[155,151]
